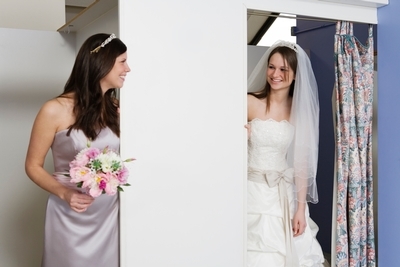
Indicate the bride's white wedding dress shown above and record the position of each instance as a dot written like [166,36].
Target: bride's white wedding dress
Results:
[270,241]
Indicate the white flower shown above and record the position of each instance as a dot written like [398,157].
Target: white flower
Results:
[107,160]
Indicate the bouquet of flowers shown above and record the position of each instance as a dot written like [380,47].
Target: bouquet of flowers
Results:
[99,171]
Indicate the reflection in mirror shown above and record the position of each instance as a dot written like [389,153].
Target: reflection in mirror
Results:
[316,37]
[279,30]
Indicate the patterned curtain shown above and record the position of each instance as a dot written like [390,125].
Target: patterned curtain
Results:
[354,70]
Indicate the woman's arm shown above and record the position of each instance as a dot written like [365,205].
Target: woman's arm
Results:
[299,218]
[47,123]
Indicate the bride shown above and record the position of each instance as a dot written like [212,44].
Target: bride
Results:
[283,114]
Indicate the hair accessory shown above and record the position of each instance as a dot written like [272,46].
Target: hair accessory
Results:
[285,43]
[103,44]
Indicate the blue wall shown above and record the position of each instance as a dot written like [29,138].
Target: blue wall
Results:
[320,43]
[388,135]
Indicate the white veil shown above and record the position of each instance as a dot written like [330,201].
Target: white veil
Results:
[304,115]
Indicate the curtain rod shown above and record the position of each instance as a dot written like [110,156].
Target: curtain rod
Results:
[263,14]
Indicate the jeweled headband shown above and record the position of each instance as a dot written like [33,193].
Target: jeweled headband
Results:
[103,44]
[284,43]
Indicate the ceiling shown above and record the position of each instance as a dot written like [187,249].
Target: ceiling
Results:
[74,7]
[78,3]
[258,22]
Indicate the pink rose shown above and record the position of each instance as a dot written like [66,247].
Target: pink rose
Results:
[84,157]
[95,191]
[123,175]
[92,152]
[79,174]
[102,185]
[112,185]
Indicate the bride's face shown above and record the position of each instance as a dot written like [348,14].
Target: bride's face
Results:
[279,74]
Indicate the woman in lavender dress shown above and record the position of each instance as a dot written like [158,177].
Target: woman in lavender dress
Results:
[80,230]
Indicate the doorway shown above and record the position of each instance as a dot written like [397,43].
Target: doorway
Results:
[316,37]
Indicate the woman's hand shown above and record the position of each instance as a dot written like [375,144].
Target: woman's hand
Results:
[299,222]
[78,201]
[248,127]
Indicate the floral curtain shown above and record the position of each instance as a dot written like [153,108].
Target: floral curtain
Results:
[354,70]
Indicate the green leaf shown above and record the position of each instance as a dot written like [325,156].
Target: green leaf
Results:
[96,164]
[79,184]
[115,165]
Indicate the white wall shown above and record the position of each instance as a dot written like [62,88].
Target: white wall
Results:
[183,111]
[34,15]
[34,66]
[183,119]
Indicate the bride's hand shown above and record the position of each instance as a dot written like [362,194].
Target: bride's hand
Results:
[248,127]
[299,222]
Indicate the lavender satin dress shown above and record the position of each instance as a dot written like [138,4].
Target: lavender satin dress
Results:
[88,239]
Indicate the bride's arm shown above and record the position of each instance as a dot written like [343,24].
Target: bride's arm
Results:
[299,218]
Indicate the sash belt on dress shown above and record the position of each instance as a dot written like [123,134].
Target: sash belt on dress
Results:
[273,178]
[64,179]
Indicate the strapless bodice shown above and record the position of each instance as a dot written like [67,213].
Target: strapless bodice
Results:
[64,148]
[268,144]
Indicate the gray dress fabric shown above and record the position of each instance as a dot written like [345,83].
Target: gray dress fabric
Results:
[88,239]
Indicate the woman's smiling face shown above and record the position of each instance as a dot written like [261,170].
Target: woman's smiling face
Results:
[116,77]
[279,74]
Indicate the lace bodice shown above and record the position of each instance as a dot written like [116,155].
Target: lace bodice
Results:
[268,144]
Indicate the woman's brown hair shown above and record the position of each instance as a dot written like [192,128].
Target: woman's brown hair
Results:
[93,110]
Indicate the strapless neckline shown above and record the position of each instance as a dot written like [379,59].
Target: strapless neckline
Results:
[270,120]
[66,130]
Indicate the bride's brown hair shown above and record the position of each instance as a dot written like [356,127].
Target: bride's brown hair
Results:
[93,110]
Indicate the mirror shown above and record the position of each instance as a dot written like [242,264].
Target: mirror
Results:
[316,37]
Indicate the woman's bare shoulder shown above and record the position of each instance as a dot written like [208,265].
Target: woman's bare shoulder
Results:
[251,97]
[57,106]
[255,107]
[255,96]
[57,112]
[253,100]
